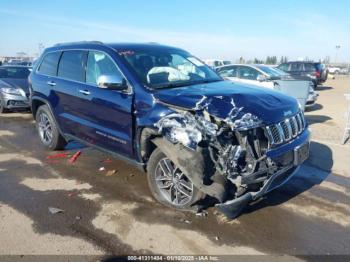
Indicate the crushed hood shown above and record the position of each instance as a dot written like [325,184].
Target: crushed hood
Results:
[17,83]
[268,105]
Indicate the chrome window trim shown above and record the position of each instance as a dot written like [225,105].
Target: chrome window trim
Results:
[130,87]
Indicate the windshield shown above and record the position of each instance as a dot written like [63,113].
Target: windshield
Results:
[14,72]
[272,72]
[168,68]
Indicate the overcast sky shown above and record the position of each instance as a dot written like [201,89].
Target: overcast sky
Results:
[224,29]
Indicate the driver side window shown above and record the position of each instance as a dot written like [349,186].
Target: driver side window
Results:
[248,73]
[99,64]
[230,71]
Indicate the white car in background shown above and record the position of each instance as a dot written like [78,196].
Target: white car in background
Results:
[334,70]
[272,78]
[216,62]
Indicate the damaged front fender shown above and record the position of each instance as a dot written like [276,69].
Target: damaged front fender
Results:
[196,165]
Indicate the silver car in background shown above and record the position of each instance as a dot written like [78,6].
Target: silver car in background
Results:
[272,78]
[14,90]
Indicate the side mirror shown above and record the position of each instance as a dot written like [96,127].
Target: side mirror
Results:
[113,82]
[261,78]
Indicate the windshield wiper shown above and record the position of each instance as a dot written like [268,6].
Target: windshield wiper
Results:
[172,85]
[190,83]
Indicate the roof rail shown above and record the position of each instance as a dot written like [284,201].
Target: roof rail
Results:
[80,42]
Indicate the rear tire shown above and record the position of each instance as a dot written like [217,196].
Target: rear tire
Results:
[48,131]
[169,185]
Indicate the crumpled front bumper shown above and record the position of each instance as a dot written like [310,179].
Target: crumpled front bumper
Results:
[232,208]
[14,101]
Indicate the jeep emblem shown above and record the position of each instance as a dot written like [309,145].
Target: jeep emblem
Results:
[287,113]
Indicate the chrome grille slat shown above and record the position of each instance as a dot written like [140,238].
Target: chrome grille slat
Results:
[286,130]
[294,126]
[300,127]
[280,130]
[269,134]
[302,120]
[276,135]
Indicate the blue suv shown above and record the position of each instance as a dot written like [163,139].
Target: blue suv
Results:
[163,110]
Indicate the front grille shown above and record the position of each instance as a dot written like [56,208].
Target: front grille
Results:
[286,130]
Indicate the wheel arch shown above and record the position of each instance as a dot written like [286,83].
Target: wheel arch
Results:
[37,102]
[145,146]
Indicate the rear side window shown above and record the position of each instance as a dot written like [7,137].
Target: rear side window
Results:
[49,64]
[296,67]
[310,67]
[72,65]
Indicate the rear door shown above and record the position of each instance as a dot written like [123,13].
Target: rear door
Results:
[44,77]
[296,69]
[70,79]
[310,69]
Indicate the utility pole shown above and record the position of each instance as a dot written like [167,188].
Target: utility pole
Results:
[337,47]
[41,48]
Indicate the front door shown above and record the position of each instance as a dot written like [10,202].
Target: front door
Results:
[108,113]
[101,117]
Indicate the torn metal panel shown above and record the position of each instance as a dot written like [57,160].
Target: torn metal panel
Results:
[185,128]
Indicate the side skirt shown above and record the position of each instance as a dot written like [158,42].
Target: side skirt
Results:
[139,165]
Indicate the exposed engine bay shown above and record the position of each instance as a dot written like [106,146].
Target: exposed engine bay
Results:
[224,158]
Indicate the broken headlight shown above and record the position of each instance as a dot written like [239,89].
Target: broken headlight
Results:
[180,128]
[247,121]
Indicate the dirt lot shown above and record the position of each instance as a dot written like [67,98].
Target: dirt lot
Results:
[114,213]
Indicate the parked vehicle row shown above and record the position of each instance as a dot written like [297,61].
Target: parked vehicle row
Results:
[268,77]
[165,111]
[14,91]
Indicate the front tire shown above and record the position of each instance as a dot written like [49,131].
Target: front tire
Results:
[47,129]
[169,185]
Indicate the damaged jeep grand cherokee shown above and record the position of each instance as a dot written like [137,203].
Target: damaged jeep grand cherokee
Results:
[164,110]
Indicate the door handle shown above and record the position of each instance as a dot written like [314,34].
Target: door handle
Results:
[85,92]
[51,83]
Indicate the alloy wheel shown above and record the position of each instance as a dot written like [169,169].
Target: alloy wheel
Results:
[174,185]
[45,128]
